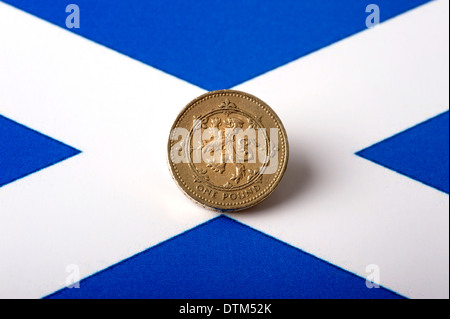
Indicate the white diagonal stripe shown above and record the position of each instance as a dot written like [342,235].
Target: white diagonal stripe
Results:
[114,199]
[335,102]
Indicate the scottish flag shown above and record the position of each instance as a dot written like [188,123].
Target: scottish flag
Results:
[89,91]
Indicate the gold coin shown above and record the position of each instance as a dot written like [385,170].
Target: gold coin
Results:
[227,150]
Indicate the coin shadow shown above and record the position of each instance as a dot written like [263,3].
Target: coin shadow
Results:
[297,179]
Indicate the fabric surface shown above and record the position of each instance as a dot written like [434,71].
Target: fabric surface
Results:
[86,194]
